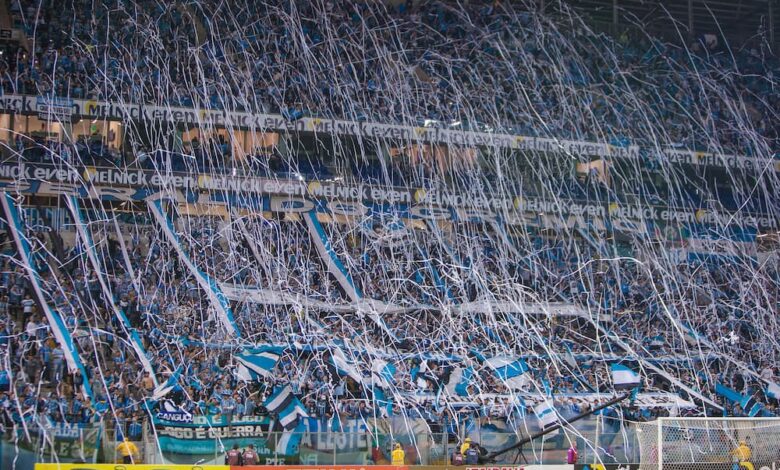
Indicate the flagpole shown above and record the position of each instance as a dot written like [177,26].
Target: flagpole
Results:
[491,457]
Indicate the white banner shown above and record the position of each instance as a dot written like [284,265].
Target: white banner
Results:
[62,109]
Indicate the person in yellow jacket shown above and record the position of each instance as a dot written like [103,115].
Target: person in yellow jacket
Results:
[465,446]
[743,454]
[398,455]
[128,451]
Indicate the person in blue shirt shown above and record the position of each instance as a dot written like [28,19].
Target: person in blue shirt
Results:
[29,401]
[135,427]
[44,352]
[249,406]
[229,404]
[5,381]
[101,406]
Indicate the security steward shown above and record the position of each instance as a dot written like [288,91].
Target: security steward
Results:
[249,456]
[743,454]
[233,456]
[398,455]
[128,451]
[465,446]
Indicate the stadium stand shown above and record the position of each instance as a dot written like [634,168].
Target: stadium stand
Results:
[480,212]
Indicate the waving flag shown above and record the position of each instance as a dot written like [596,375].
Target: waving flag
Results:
[287,406]
[290,440]
[289,416]
[383,374]
[624,378]
[460,379]
[382,402]
[546,414]
[279,400]
[253,366]
[512,372]
[165,388]
[344,366]
[749,404]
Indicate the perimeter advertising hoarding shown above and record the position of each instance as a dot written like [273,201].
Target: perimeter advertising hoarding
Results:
[329,467]
[409,467]
[359,200]
[756,465]
[61,109]
[54,466]
[119,466]
[111,466]
[496,467]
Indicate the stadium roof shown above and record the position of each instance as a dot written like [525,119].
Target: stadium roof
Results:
[737,20]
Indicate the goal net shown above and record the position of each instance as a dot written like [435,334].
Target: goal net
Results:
[710,444]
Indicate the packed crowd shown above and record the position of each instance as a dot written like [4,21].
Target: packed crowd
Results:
[477,65]
[448,296]
[179,328]
[259,253]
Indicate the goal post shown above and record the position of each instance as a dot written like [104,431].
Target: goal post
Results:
[709,444]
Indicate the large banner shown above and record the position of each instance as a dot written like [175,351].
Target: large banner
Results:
[71,442]
[314,442]
[358,200]
[66,110]
[207,436]
[51,442]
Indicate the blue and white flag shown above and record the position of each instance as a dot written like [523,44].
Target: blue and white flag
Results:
[728,393]
[513,372]
[289,416]
[384,404]
[749,404]
[383,374]
[210,287]
[56,321]
[345,366]
[166,387]
[279,400]
[546,414]
[290,441]
[624,378]
[460,379]
[330,257]
[253,366]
